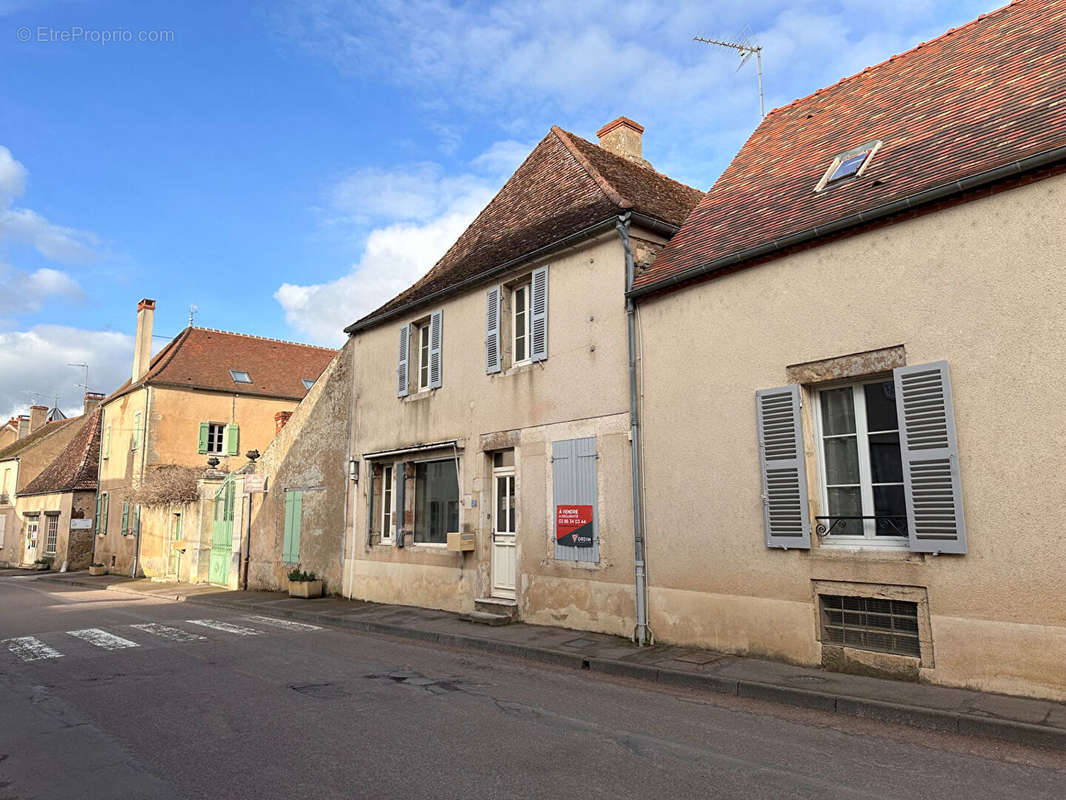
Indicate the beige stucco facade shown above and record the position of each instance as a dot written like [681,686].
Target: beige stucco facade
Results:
[72,543]
[579,391]
[979,285]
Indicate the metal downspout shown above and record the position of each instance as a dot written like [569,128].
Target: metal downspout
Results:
[642,634]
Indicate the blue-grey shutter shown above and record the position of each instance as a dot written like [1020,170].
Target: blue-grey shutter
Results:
[538,328]
[492,330]
[436,320]
[574,483]
[784,471]
[369,506]
[400,477]
[935,523]
[401,371]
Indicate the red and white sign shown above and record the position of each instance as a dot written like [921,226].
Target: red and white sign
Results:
[573,526]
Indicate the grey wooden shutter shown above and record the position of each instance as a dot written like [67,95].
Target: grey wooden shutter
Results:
[935,523]
[436,320]
[574,484]
[784,471]
[369,505]
[538,328]
[400,477]
[492,330]
[401,371]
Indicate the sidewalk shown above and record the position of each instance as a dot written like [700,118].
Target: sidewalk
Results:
[1038,723]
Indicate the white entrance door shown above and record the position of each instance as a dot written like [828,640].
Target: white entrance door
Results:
[504,539]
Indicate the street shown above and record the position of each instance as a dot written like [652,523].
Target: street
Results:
[105,695]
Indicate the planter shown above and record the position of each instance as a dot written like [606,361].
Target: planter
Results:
[101,570]
[305,589]
[42,567]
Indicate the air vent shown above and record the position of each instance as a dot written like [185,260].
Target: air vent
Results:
[869,623]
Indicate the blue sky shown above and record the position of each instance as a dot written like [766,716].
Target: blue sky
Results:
[286,167]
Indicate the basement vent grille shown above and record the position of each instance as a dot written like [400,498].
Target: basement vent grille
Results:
[868,623]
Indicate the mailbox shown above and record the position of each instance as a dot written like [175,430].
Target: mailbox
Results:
[461,542]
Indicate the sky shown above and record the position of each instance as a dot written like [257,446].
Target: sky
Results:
[286,167]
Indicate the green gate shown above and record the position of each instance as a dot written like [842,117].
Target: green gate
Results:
[222,535]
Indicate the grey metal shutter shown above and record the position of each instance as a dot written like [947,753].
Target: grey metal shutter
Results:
[492,330]
[574,483]
[784,471]
[401,371]
[400,478]
[538,328]
[930,459]
[436,320]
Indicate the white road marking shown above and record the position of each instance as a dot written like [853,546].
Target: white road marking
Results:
[29,648]
[284,623]
[227,627]
[167,632]
[98,637]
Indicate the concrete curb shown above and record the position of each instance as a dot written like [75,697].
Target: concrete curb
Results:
[883,711]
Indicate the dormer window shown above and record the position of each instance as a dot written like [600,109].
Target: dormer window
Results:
[240,376]
[849,164]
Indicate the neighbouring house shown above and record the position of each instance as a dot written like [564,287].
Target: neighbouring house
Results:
[207,396]
[38,444]
[56,507]
[488,465]
[852,384]
[10,431]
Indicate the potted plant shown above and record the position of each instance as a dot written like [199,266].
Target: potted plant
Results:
[304,584]
[97,569]
[42,564]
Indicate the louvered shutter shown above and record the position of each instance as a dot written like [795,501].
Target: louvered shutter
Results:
[233,439]
[784,473]
[538,349]
[401,501]
[97,522]
[107,509]
[492,330]
[403,389]
[935,523]
[436,320]
[202,446]
[125,517]
[136,528]
[369,506]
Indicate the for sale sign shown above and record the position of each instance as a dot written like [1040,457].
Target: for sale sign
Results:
[573,526]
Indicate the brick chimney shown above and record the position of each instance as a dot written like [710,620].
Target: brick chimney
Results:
[142,346]
[24,426]
[280,419]
[38,417]
[623,137]
[92,400]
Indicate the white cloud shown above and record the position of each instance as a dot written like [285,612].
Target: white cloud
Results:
[22,292]
[33,364]
[12,176]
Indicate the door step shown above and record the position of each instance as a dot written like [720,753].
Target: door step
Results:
[497,605]
[486,618]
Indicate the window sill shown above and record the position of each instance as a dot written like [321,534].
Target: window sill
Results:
[425,394]
[876,551]
[518,369]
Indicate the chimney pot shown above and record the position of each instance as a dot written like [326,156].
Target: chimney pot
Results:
[142,345]
[92,400]
[623,137]
[24,426]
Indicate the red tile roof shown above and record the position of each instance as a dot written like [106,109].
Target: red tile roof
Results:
[75,468]
[564,186]
[201,358]
[979,97]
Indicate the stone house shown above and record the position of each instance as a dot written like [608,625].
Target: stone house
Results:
[207,395]
[854,448]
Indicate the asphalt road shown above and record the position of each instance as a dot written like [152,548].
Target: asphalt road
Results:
[198,702]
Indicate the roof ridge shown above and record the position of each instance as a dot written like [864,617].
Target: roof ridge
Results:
[261,338]
[911,51]
[605,185]
[635,164]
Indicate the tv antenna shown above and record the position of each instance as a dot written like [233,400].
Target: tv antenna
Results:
[192,314]
[747,48]
[85,381]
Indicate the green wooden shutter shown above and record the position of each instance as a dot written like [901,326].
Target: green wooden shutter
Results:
[233,438]
[286,548]
[107,508]
[125,517]
[202,448]
[136,520]
[293,511]
[99,506]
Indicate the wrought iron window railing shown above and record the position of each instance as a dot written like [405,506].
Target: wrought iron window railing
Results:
[884,525]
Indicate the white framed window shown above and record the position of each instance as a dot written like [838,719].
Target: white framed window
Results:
[436,501]
[51,534]
[860,464]
[520,313]
[386,502]
[216,437]
[422,332]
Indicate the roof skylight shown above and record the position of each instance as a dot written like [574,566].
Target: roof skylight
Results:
[848,164]
[308,383]
[240,376]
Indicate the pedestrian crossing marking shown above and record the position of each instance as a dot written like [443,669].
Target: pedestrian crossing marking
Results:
[98,637]
[167,632]
[226,627]
[30,648]
[283,623]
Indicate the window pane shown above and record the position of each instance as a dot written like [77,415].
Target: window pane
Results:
[436,501]
[845,502]
[501,504]
[838,411]
[881,406]
[886,463]
[889,502]
[510,496]
[841,460]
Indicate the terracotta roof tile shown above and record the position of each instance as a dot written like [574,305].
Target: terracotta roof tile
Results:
[978,97]
[565,185]
[75,468]
[202,358]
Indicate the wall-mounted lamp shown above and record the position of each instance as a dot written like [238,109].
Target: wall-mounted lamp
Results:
[353,470]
